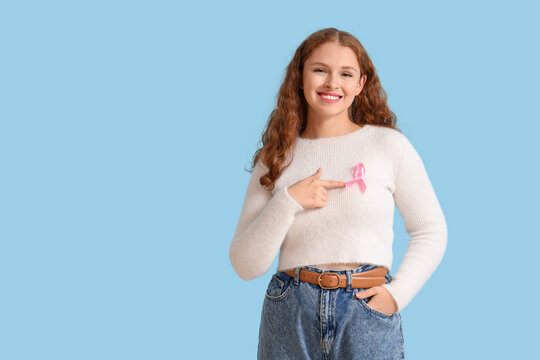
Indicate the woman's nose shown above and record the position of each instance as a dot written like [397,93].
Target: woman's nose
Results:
[331,81]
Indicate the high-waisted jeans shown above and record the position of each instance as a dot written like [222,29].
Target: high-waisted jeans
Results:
[301,320]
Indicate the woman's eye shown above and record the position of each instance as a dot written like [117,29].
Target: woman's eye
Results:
[322,70]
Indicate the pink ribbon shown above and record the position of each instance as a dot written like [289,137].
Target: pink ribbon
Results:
[359,171]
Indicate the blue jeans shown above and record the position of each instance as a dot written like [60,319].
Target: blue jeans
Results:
[301,320]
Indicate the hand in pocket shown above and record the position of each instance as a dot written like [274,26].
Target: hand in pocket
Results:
[381,299]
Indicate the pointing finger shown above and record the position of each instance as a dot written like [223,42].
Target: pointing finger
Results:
[332,183]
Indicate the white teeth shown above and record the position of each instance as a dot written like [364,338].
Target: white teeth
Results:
[329,97]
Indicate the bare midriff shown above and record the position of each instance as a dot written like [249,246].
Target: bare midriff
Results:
[338,266]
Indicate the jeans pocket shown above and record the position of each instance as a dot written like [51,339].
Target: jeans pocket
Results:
[378,313]
[278,287]
[364,303]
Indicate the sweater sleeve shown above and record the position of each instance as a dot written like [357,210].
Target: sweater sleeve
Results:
[262,226]
[425,223]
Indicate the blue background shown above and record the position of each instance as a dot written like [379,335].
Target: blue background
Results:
[125,130]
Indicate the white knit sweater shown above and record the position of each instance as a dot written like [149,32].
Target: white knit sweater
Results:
[353,226]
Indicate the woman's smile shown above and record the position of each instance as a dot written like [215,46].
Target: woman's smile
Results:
[329,97]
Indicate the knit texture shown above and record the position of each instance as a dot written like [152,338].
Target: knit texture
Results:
[353,226]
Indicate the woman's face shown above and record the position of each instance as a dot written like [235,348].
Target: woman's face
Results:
[331,71]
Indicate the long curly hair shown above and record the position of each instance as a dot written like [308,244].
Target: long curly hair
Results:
[289,118]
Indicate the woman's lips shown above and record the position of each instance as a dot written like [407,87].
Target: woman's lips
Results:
[329,100]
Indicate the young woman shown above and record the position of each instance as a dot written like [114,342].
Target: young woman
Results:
[322,193]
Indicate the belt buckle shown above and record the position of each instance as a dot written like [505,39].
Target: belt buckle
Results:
[328,273]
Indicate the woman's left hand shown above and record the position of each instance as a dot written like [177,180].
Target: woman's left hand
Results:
[381,299]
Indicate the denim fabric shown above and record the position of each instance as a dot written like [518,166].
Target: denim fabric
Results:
[301,320]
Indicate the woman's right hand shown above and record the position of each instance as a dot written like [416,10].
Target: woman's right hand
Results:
[311,192]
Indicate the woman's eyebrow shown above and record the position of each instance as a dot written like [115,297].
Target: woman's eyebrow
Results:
[343,67]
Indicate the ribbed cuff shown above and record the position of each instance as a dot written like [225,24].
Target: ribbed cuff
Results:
[299,207]
[401,304]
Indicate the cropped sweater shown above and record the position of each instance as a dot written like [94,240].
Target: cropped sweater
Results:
[382,168]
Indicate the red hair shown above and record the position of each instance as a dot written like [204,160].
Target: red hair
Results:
[288,120]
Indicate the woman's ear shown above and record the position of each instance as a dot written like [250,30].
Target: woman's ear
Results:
[361,84]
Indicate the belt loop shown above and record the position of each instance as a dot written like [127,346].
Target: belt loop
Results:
[296,275]
[349,281]
[388,277]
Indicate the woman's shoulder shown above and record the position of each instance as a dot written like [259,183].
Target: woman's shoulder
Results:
[388,136]
[387,131]
[260,166]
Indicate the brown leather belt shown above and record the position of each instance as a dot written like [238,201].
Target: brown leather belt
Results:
[332,280]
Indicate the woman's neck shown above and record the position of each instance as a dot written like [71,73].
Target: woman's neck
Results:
[328,130]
